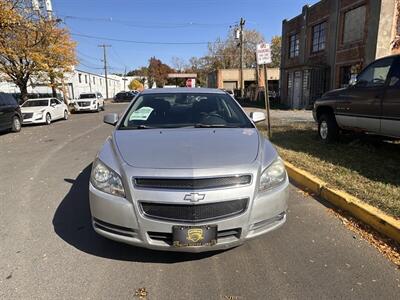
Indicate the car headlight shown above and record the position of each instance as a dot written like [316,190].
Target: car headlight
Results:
[106,180]
[273,176]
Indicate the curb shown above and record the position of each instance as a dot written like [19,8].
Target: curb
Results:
[364,212]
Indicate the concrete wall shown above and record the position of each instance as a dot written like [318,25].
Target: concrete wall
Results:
[385,32]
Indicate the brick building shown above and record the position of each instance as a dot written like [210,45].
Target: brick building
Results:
[331,40]
[253,79]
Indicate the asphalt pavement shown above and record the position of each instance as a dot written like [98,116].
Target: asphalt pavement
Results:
[48,249]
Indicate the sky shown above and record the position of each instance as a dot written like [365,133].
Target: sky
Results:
[196,22]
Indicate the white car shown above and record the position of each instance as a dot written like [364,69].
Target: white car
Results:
[44,110]
[89,102]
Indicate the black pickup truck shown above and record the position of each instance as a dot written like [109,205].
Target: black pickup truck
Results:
[370,104]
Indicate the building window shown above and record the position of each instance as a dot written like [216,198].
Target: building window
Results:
[354,25]
[318,37]
[80,78]
[344,76]
[85,78]
[294,45]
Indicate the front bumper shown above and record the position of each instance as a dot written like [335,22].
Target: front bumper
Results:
[92,107]
[121,220]
[34,120]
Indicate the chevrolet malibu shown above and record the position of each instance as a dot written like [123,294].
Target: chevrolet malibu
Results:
[186,170]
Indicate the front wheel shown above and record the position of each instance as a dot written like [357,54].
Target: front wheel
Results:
[65,115]
[328,129]
[48,119]
[103,108]
[16,124]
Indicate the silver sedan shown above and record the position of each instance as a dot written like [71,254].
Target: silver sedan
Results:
[186,170]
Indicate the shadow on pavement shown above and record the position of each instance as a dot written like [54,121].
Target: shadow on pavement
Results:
[72,223]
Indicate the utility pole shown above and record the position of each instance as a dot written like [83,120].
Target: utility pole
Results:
[241,25]
[125,80]
[104,46]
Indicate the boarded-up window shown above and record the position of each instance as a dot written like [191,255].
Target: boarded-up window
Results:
[354,25]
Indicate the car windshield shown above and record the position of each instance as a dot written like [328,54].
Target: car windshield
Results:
[87,96]
[185,110]
[32,103]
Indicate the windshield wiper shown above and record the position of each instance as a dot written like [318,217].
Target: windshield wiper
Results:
[200,125]
[138,127]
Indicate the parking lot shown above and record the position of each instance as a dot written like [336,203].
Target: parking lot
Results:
[49,250]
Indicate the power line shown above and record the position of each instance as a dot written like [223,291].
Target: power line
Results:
[138,42]
[141,25]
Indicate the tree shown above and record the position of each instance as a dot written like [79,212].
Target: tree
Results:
[158,72]
[276,45]
[30,45]
[135,85]
[225,53]
[179,64]
[59,56]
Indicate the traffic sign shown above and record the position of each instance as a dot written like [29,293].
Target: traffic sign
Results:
[263,54]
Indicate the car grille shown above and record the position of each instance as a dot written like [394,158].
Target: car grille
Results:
[194,213]
[167,236]
[84,104]
[27,115]
[192,183]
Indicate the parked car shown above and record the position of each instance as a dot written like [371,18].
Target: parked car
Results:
[187,170]
[371,104]
[89,102]
[10,113]
[46,110]
[124,97]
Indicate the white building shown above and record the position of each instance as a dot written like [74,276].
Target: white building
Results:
[79,82]
[76,82]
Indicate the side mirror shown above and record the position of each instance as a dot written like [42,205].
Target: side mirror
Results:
[257,116]
[111,119]
[353,80]
[53,105]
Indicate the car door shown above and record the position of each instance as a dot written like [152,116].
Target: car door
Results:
[391,103]
[60,109]
[3,112]
[54,110]
[7,107]
[362,102]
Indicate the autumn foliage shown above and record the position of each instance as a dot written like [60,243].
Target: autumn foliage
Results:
[32,46]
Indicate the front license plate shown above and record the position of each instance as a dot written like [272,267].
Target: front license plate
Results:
[192,236]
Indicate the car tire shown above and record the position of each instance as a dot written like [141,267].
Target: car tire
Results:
[16,124]
[103,108]
[98,108]
[328,129]
[48,119]
[65,115]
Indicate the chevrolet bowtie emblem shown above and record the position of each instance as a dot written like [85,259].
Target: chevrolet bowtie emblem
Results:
[194,197]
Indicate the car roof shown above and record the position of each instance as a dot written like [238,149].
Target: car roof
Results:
[34,99]
[182,90]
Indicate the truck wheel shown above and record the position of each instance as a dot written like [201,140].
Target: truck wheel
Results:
[328,129]
[16,124]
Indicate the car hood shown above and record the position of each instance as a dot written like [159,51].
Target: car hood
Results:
[187,148]
[333,93]
[33,109]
